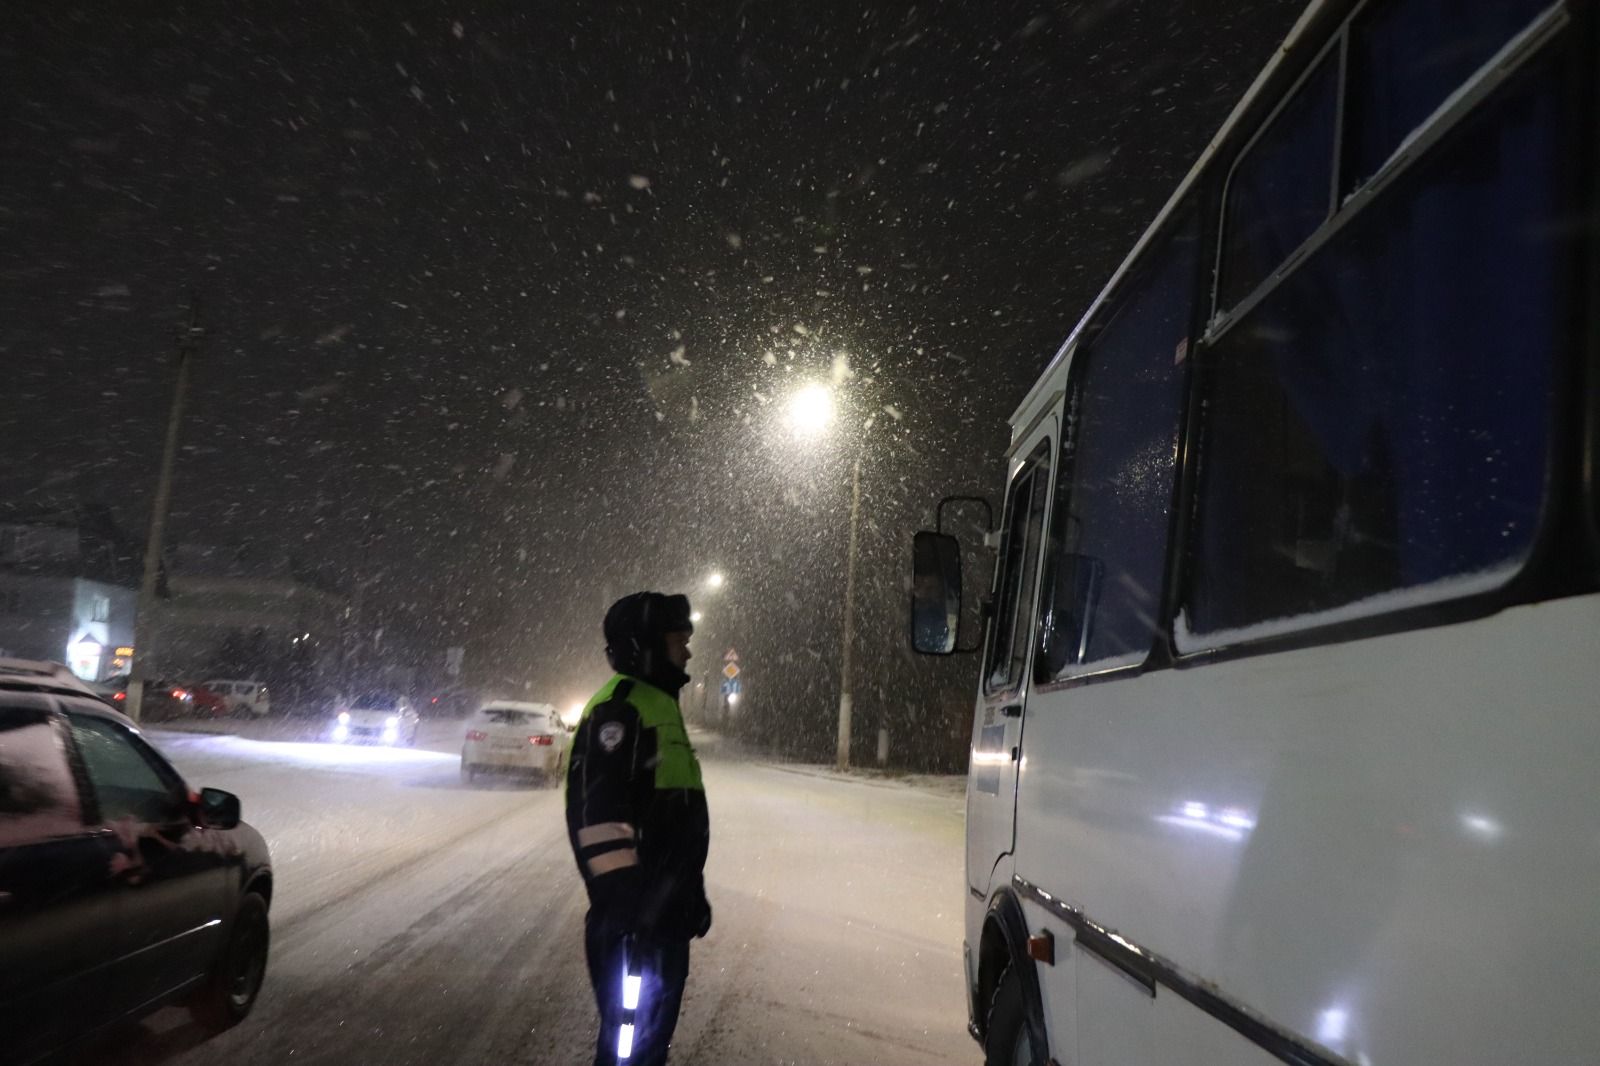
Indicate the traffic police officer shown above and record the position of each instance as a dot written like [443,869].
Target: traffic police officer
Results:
[637,820]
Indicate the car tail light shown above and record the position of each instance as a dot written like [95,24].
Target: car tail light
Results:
[119,695]
[477,734]
[542,741]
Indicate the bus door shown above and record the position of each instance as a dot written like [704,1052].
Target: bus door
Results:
[997,725]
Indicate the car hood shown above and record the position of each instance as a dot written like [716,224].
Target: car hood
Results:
[369,717]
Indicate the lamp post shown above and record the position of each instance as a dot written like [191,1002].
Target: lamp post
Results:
[712,585]
[188,344]
[811,410]
[846,708]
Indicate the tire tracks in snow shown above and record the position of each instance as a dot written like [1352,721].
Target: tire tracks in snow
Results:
[446,985]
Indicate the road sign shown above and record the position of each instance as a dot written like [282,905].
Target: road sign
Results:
[731,657]
[732,687]
[730,671]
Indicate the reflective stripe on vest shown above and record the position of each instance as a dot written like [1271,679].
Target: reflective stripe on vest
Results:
[676,765]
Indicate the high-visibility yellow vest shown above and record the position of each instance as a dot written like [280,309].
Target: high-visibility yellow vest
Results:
[676,764]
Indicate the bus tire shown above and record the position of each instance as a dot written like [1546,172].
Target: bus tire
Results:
[1006,1041]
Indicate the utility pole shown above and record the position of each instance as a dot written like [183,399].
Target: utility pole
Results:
[188,344]
[845,698]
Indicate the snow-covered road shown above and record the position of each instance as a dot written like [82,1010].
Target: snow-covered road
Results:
[420,920]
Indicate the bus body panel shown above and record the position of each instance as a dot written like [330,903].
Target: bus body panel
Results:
[1374,842]
[1387,846]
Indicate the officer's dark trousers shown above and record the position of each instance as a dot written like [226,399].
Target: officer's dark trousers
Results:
[664,965]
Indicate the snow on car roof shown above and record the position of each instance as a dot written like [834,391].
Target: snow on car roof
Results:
[42,674]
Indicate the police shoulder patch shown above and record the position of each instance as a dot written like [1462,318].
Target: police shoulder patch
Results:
[611,735]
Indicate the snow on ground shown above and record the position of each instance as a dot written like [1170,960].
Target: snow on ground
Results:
[419,920]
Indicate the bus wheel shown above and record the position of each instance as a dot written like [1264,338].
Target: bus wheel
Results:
[1006,1042]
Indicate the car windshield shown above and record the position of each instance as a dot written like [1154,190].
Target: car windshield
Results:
[376,701]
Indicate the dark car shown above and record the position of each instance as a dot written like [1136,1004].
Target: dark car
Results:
[163,700]
[121,891]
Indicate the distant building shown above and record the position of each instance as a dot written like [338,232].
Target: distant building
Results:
[223,603]
[69,591]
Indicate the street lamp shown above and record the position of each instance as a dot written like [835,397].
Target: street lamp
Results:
[714,581]
[811,409]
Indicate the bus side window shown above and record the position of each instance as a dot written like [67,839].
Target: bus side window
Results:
[1024,530]
[1281,190]
[1106,562]
[1381,420]
[1393,86]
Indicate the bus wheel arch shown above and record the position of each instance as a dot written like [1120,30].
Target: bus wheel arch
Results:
[1004,946]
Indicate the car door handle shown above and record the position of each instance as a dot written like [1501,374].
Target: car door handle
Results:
[1011,710]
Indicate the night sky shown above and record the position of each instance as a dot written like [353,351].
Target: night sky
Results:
[502,307]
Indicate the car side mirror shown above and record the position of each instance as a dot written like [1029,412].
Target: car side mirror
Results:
[219,809]
[935,592]
[1074,594]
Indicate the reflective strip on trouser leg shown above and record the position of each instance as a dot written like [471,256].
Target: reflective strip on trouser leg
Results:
[632,983]
[608,861]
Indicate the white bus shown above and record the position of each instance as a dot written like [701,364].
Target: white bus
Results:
[1287,747]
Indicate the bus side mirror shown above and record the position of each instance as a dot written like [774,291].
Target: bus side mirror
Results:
[935,593]
[1069,617]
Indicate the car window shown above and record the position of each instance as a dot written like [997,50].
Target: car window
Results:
[38,797]
[126,782]
[503,717]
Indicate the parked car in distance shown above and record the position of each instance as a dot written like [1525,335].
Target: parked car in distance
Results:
[123,891]
[164,699]
[376,717]
[207,703]
[248,698]
[509,737]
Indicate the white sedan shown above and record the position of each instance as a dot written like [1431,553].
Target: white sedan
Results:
[505,736]
[376,718]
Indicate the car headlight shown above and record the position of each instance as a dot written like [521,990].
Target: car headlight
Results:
[344,717]
[392,721]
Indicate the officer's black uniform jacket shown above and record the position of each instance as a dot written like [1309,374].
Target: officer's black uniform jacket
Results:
[636,810]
